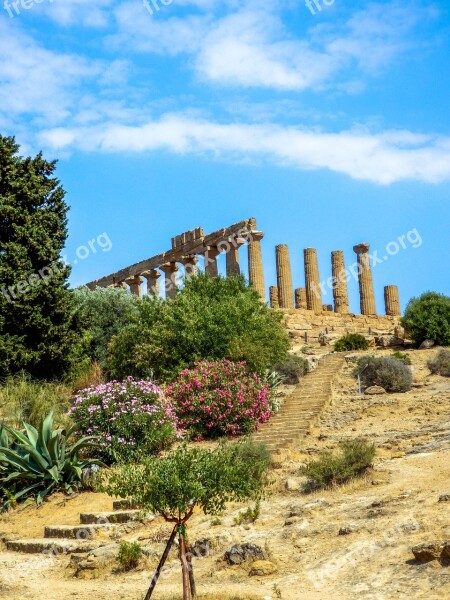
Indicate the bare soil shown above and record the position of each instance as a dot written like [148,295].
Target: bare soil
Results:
[347,543]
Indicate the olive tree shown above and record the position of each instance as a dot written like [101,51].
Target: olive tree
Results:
[192,478]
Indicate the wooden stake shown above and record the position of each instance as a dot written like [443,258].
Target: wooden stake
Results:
[161,563]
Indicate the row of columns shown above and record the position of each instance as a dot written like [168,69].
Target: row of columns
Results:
[210,253]
[310,297]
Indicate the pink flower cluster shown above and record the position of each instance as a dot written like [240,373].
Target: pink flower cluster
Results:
[125,414]
[220,398]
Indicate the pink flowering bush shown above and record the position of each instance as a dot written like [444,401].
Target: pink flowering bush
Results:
[220,398]
[132,418]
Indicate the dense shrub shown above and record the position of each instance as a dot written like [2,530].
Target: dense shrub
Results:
[351,341]
[353,460]
[132,418]
[129,555]
[292,369]
[37,462]
[25,399]
[220,398]
[102,313]
[211,318]
[391,374]
[440,363]
[428,317]
[402,356]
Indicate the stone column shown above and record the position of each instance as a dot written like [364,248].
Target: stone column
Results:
[152,277]
[211,254]
[327,307]
[170,270]
[340,291]
[190,266]
[135,285]
[273,294]
[366,293]
[284,277]
[231,248]
[255,263]
[300,298]
[312,279]
[392,301]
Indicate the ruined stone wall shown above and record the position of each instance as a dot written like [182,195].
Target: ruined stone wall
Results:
[307,327]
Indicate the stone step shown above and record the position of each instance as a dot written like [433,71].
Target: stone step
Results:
[124,505]
[102,518]
[78,532]
[50,546]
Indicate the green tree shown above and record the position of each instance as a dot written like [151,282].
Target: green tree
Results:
[188,478]
[102,314]
[37,329]
[428,318]
[211,318]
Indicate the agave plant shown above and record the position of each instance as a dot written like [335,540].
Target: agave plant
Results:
[37,462]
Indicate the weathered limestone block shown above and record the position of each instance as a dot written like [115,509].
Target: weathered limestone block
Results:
[312,279]
[152,277]
[255,263]
[284,277]
[300,298]
[367,295]
[340,291]
[135,285]
[392,301]
[273,293]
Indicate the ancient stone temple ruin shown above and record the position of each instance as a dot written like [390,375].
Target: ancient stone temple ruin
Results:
[306,315]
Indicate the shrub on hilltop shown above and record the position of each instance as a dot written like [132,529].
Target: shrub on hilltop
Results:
[211,318]
[390,373]
[428,318]
[440,363]
[351,341]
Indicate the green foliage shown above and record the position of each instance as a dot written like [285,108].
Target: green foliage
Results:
[130,418]
[390,373]
[37,327]
[25,399]
[351,341]
[211,318]
[102,314]
[129,555]
[36,462]
[440,363]
[353,460]
[402,356]
[250,515]
[292,369]
[174,484]
[428,318]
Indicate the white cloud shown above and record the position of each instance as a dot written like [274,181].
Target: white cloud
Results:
[79,12]
[382,158]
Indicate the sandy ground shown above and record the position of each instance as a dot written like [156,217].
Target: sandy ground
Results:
[393,508]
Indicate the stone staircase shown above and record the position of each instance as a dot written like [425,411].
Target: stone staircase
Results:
[68,539]
[301,411]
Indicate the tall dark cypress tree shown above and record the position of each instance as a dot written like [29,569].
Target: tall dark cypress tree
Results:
[36,322]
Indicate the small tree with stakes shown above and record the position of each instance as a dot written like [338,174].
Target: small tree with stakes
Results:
[188,478]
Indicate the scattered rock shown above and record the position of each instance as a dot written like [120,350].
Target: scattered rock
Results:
[426,345]
[374,390]
[105,552]
[444,498]
[262,567]
[319,503]
[240,553]
[347,529]
[202,547]
[293,485]
[425,553]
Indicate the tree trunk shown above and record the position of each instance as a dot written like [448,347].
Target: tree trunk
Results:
[191,572]
[184,567]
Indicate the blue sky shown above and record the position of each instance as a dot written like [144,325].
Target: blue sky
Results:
[330,128]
